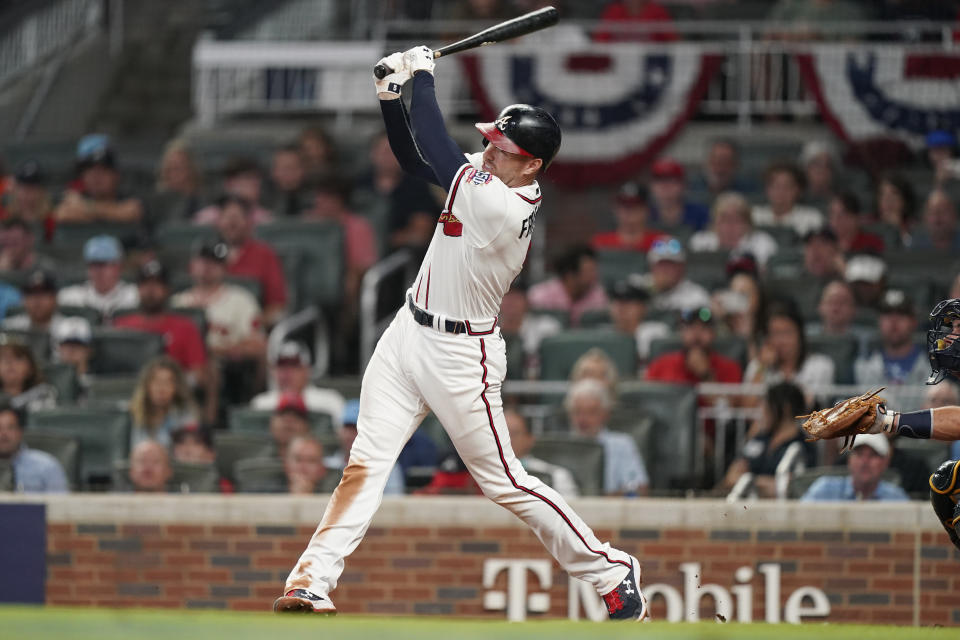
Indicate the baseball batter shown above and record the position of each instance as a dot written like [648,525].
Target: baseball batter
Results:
[443,351]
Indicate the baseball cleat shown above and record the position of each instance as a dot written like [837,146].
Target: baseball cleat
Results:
[303,601]
[626,602]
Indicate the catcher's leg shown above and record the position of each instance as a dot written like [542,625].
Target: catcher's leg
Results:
[944,492]
[390,410]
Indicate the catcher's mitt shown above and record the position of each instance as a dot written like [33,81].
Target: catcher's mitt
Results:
[848,419]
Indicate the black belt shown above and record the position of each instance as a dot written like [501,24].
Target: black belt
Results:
[425,318]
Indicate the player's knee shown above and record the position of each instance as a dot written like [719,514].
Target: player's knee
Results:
[944,480]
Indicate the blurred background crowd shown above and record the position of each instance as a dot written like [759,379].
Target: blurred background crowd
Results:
[192,311]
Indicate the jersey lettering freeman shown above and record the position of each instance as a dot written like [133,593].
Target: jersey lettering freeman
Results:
[479,245]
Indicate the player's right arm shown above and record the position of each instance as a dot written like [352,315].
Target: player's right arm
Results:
[942,423]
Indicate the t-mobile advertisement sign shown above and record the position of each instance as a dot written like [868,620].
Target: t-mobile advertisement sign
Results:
[23,554]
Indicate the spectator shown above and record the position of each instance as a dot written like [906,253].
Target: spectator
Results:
[17,248]
[161,402]
[241,178]
[769,439]
[631,209]
[290,373]
[234,326]
[39,292]
[868,276]
[901,359]
[595,364]
[667,281]
[896,205]
[303,466]
[96,195]
[521,437]
[290,194]
[866,464]
[822,258]
[740,308]
[530,328]
[360,242]
[150,469]
[720,170]
[697,361]
[34,471]
[576,287]
[588,405]
[495,10]
[251,258]
[629,303]
[671,211]
[21,380]
[347,435]
[782,354]
[451,478]
[72,342]
[27,198]
[181,338]
[804,15]
[837,309]
[819,161]
[317,152]
[178,194]
[103,291]
[732,230]
[783,184]
[844,220]
[939,231]
[193,444]
[290,420]
[635,12]
[940,147]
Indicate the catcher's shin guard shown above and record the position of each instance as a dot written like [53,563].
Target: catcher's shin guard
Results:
[944,493]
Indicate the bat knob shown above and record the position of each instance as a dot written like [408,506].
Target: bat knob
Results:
[381,71]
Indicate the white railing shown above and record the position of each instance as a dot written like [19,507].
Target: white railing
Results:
[43,33]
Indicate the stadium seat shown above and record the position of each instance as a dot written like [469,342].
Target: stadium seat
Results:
[182,236]
[6,475]
[62,377]
[111,391]
[616,265]
[90,314]
[707,268]
[786,263]
[246,420]
[595,318]
[805,291]
[515,357]
[321,277]
[734,347]
[74,235]
[66,449]
[122,350]
[231,447]
[582,456]
[260,475]
[187,477]
[785,236]
[38,341]
[103,434]
[841,349]
[294,260]
[559,352]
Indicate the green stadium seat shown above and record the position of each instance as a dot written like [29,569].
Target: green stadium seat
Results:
[123,351]
[786,237]
[111,391]
[582,456]
[707,268]
[805,291]
[246,420]
[260,475]
[6,475]
[89,314]
[74,235]
[515,357]
[182,236]
[63,378]
[321,277]
[38,341]
[842,350]
[104,436]
[786,263]
[66,449]
[231,447]
[616,265]
[595,318]
[187,477]
[559,352]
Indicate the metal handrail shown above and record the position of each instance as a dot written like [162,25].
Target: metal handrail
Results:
[370,325]
[321,338]
[790,464]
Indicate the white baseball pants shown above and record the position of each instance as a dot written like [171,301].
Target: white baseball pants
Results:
[415,369]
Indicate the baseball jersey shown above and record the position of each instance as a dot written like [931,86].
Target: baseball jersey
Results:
[479,245]
[122,296]
[232,314]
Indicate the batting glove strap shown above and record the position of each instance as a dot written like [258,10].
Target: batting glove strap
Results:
[392,82]
[419,59]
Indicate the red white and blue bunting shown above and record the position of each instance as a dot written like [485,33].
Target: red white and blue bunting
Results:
[618,105]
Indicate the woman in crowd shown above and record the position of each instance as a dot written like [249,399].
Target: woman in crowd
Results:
[896,204]
[732,229]
[22,380]
[161,402]
[178,191]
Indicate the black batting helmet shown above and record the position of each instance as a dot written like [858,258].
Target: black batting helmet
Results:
[943,343]
[524,130]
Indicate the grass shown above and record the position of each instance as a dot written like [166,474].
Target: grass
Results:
[127,624]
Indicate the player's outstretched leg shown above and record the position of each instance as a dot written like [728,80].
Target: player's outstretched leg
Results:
[944,487]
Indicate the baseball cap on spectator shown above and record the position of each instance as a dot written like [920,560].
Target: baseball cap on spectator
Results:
[102,249]
[876,441]
[73,329]
[629,289]
[741,262]
[29,172]
[865,268]
[292,353]
[823,233]
[940,138]
[193,429]
[215,250]
[39,281]
[696,314]
[293,403]
[351,412]
[632,193]
[667,169]
[896,301]
[95,149]
[153,270]
[666,249]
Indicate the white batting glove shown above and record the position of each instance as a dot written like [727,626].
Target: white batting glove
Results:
[391,83]
[419,59]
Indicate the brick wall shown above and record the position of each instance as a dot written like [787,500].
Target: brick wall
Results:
[877,574]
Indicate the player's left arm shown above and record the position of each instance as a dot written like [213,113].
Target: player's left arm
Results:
[942,423]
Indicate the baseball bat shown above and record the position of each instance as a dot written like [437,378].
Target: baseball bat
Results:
[519,26]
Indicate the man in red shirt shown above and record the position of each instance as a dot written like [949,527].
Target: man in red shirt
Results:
[632,210]
[697,361]
[251,258]
[637,12]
